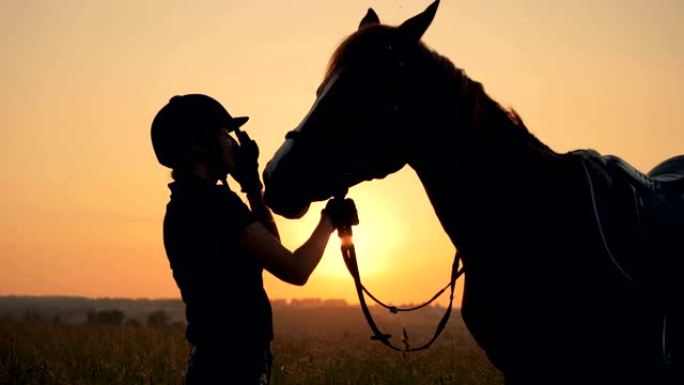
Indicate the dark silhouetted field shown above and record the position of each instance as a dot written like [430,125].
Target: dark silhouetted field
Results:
[315,343]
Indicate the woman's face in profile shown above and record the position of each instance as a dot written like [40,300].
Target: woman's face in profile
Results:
[229,147]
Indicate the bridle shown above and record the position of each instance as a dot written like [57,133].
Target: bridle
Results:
[349,257]
[350,261]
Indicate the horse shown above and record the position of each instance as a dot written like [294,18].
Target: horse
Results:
[571,259]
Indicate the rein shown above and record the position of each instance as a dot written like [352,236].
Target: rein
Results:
[349,256]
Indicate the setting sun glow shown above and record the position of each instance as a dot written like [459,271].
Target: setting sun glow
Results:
[83,197]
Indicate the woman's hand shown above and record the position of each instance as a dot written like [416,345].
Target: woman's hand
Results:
[342,212]
[247,164]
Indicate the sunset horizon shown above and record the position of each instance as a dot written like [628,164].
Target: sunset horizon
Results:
[84,197]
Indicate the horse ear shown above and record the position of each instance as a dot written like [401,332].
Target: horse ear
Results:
[414,28]
[371,18]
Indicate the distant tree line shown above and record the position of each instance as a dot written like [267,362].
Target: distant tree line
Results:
[122,311]
[105,317]
[155,319]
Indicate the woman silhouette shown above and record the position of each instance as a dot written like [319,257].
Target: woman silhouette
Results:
[218,247]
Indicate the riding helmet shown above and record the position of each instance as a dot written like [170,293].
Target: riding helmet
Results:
[186,121]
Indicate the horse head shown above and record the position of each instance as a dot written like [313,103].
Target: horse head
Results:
[358,128]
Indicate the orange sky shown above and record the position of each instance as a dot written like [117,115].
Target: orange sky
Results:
[82,196]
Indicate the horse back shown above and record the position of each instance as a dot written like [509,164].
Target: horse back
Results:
[555,303]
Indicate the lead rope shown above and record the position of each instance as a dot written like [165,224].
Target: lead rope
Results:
[349,257]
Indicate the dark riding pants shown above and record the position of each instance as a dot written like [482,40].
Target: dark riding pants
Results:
[209,366]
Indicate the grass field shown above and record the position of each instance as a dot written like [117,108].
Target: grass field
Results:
[312,346]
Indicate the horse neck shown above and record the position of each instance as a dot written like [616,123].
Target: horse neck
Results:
[478,163]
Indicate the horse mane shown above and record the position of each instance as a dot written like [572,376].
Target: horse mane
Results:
[479,105]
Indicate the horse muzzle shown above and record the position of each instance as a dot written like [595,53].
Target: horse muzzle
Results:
[285,204]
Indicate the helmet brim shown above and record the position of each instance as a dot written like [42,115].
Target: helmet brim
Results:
[237,122]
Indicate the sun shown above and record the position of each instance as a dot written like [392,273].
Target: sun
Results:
[377,239]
